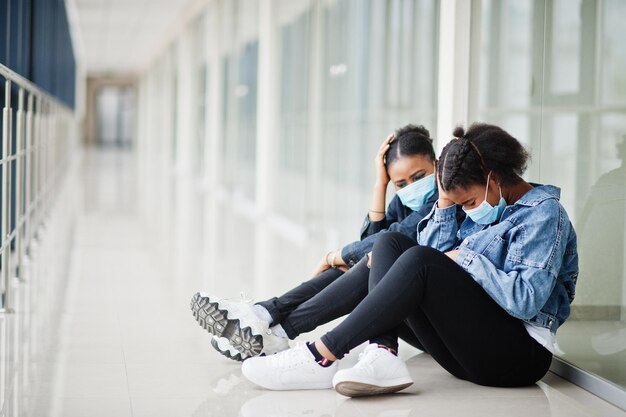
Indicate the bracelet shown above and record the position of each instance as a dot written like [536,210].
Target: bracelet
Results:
[332,262]
[377,212]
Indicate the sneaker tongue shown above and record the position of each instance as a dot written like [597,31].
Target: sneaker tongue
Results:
[293,355]
[371,346]
[304,348]
[370,350]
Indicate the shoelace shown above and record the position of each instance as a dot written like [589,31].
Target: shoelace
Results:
[242,298]
[290,357]
[367,356]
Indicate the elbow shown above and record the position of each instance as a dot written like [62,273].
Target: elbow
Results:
[527,301]
[524,311]
[528,314]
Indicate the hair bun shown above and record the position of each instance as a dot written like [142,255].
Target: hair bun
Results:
[458,132]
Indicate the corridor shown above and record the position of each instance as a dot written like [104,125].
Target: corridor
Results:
[127,344]
[226,146]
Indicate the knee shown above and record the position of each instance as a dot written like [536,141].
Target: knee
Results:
[390,239]
[423,255]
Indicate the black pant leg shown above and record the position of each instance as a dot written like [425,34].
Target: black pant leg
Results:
[406,333]
[280,307]
[469,334]
[466,331]
[385,253]
[336,300]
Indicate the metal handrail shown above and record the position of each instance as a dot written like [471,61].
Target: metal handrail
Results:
[27,85]
[39,159]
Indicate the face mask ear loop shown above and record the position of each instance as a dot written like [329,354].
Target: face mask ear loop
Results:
[499,187]
[487,187]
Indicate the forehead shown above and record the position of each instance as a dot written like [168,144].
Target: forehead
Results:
[460,195]
[407,165]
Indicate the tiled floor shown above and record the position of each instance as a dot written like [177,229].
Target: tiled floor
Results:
[125,343]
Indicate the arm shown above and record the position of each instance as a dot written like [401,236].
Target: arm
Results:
[534,254]
[391,217]
[377,206]
[331,260]
[376,218]
[353,252]
[439,229]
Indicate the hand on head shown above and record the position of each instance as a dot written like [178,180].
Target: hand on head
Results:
[382,177]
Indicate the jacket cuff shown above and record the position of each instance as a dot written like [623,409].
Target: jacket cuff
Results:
[445,215]
[373,228]
[349,256]
[465,257]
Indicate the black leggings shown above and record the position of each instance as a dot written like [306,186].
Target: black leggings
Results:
[328,296]
[458,323]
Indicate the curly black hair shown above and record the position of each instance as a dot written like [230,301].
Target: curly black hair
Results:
[410,140]
[470,156]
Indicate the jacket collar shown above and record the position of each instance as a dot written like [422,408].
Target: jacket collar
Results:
[538,194]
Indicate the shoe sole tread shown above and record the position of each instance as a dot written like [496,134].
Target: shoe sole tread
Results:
[215,321]
[226,352]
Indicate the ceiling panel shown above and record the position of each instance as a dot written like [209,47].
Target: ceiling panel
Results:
[119,36]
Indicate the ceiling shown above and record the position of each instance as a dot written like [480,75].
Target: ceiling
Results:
[122,36]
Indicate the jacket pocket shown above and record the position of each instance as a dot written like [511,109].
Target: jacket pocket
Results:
[496,250]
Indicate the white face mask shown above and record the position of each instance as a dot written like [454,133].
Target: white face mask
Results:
[485,213]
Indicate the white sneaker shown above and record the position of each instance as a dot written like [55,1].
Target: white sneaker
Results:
[292,369]
[378,371]
[238,324]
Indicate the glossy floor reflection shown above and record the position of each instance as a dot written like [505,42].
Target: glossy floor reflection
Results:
[126,344]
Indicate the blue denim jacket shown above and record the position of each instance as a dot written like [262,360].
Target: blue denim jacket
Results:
[527,262]
[398,218]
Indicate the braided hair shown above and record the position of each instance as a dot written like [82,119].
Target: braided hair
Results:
[470,156]
[410,140]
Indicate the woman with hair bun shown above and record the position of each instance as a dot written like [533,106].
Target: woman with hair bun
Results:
[485,297]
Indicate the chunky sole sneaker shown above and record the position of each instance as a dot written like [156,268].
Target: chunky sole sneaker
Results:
[214,318]
[224,347]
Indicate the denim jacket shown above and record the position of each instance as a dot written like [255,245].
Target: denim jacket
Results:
[398,218]
[527,262]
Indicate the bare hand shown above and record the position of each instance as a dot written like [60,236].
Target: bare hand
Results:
[323,264]
[444,200]
[381,171]
[452,254]
[321,267]
[369,260]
